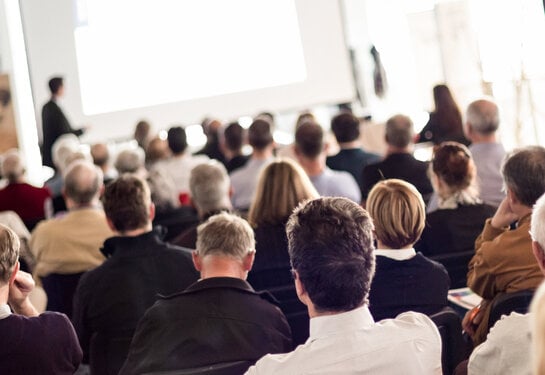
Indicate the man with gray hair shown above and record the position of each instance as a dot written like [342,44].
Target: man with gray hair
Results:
[218,320]
[70,245]
[399,162]
[210,188]
[482,122]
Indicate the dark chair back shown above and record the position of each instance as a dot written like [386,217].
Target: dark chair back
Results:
[506,303]
[449,324]
[107,354]
[229,368]
[456,265]
[176,221]
[60,289]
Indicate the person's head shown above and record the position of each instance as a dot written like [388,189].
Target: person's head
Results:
[537,232]
[82,183]
[260,135]
[226,237]
[142,133]
[157,149]
[524,175]
[9,254]
[537,328]
[345,127]
[398,212]
[454,170]
[13,168]
[210,185]
[305,116]
[282,185]
[56,86]
[127,204]
[309,140]
[399,131]
[443,98]
[233,137]
[330,241]
[177,140]
[130,161]
[63,149]
[482,117]
[100,154]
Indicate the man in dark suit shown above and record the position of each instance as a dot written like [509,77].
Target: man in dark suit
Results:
[54,122]
[399,162]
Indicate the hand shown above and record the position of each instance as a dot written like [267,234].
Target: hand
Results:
[472,319]
[504,215]
[18,294]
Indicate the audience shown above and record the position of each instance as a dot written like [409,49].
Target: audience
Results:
[26,200]
[142,134]
[212,148]
[507,346]
[482,122]
[31,343]
[156,150]
[503,260]
[231,142]
[69,245]
[404,279]
[282,186]
[220,318]
[332,254]
[351,157]
[244,179]
[101,158]
[399,162]
[311,151]
[210,188]
[112,298]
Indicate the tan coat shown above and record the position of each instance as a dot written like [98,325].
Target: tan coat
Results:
[503,263]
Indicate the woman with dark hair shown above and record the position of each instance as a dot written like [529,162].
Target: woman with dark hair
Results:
[445,123]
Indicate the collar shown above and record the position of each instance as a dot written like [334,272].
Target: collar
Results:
[5,311]
[215,282]
[338,324]
[401,254]
[120,245]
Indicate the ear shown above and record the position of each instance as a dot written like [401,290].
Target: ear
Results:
[248,261]
[14,273]
[196,261]
[296,150]
[512,197]
[300,289]
[231,190]
[111,224]
[326,147]
[539,255]
[151,211]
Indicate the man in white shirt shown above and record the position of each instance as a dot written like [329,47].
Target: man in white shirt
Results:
[332,254]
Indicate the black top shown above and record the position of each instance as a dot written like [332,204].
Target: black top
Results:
[113,297]
[432,132]
[54,124]
[236,162]
[417,284]
[215,320]
[402,166]
[353,161]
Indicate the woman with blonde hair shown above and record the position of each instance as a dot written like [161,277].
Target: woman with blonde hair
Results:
[460,216]
[404,279]
[281,187]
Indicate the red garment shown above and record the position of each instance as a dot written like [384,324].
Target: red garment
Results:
[26,200]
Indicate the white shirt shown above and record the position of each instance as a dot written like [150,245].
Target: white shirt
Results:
[352,343]
[506,350]
[396,254]
[5,311]
[178,168]
[244,182]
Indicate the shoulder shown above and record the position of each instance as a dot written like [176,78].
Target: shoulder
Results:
[419,323]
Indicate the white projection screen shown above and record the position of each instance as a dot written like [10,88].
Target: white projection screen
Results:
[176,61]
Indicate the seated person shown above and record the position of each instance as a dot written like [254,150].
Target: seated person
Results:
[31,343]
[503,260]
[404,280]
[218,319]
[332,254]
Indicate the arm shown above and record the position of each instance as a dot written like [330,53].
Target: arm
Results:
[18,295]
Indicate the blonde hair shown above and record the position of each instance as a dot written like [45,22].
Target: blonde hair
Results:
[537,318]
[282,185]
[9,252]
[398,212]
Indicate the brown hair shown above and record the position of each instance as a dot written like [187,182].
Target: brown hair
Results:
[281,187]
[453,164]
[398,212]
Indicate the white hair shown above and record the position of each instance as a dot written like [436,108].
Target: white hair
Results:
[538,222]
[209,185]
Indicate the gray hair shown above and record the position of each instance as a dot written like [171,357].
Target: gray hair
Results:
[82,181]
[130,160]
[12,165]
[524,174]
[225,235]
[538,222]
[399,131]
[209,185]
[62,150]
[483,116]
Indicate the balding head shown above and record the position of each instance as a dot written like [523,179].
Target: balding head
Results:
[483,116]
[82,183]
[100,154]
[13,168]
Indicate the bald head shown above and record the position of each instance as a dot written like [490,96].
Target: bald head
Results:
[483,117]
[100,154]
[82,182]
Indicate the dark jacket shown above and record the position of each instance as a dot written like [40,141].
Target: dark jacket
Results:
[113,297]
[353,161]
[215,320]
[417,284]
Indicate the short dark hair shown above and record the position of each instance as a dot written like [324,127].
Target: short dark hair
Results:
[177,139]
[126,202]
[55,84]
[309,139]
[330,242]
[524,174]
[82,181]
[260,134]
[346,127]
[399,131]
[233,134]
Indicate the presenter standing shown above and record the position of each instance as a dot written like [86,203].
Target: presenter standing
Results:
[54,122]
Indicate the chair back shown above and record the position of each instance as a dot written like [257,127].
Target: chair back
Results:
[506,303]
[456,265]
[453,351]
[228,368]
[107,354]
[60,289]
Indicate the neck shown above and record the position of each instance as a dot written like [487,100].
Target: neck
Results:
[483,138]
[348,145]
[71,205]
[313,167]
[137,232]
[264,154]
[4,294]
[381,245]
[224,206]
[222,266]
[399,150]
